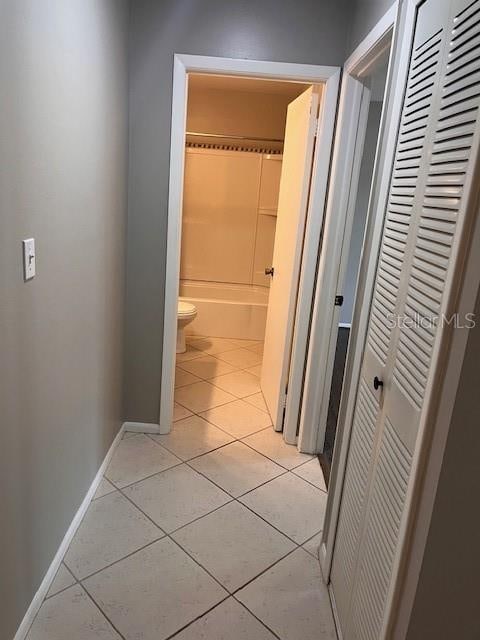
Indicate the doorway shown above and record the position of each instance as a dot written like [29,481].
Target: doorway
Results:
[244,206]
[375,82]
[319,122]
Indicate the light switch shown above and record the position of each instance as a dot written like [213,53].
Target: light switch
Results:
[29,258]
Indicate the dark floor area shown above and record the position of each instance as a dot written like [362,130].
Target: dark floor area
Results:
[334,403]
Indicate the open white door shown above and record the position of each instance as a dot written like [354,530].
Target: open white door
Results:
[292,208]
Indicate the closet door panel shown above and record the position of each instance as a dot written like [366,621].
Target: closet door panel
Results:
[353,499]
[436,147]
[439,205]
[361,591]
[380,540]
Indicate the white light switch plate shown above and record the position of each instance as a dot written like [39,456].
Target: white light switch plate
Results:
[29,258]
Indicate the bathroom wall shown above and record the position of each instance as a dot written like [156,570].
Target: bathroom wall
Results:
[235,112]
[304,31]
[230,196]
[63,175]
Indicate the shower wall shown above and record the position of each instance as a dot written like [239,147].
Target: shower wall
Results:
[230,201]
[229,215]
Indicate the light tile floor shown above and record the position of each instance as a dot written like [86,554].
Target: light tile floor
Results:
[208,533]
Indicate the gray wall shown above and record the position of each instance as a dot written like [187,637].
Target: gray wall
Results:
[447,598]
[365,16]
[361,207]
[63,166]
[311,31]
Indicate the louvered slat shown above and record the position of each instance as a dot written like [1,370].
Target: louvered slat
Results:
[355,489]
[452,142]
[410,150]
[387,502]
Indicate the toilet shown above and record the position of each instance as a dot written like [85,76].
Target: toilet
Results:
[185,314]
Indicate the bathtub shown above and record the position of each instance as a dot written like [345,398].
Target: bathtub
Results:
[226,310]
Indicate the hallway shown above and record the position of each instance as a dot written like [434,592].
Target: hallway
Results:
[208,532]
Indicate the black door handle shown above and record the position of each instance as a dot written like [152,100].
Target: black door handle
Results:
[269,271]
[377,383]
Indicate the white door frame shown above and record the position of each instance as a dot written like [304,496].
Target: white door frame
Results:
[347,157]
[359,63]
[184,64]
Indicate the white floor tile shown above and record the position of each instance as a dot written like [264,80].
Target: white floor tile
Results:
[236,468]
[62,580]
[192,437]
[258,401]
[179,412]
[272,445]
[136,458]
[228,621]
[257,348]
[207,367]
[104,488]
[240,383]
[291,599]
[189,354]
[246,344]
[238,418]
[202,396]
[233,544]
[176,497]
[312,545]
[213,345]
[256,370]
[182,377]
[154,593]
[111,529]
[71,614]
[241,358]
[291,505]
[312,472]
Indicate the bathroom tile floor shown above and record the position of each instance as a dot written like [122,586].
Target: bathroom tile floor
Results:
[210,532]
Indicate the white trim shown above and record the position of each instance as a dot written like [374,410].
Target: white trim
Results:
[344,325]
[349,140]
[183,64]
[141,427]
[351,127]
[44,587]
[360,62]
[378,198]
[312,242]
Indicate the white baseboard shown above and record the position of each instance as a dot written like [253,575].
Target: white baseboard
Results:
[53,568]
[142,427]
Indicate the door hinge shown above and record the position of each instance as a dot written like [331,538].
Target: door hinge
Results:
[338,301]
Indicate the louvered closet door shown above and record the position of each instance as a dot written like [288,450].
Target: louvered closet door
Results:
[436,148]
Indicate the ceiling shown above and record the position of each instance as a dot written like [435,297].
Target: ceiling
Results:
[203,81]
